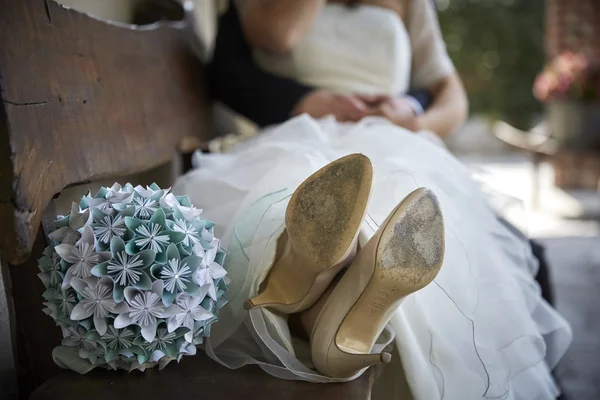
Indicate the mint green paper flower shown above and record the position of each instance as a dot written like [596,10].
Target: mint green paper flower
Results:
[70,225]
[165,344]
[60,301]
[106,198]
[177,275]
[126,270]
[52,271]
[81,337]
[118,338]
[153,234]
[107,226]
[191,230]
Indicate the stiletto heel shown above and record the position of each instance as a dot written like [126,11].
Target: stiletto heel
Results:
[322,222]
[403,256]
[347,364]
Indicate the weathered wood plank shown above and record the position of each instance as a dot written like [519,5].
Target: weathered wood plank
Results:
[81,100]
[196,377]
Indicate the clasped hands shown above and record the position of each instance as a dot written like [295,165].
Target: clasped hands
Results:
[352,108]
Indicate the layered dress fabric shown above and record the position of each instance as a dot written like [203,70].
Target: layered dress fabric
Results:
[481,329]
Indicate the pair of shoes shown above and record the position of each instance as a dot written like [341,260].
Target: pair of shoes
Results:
[323,219]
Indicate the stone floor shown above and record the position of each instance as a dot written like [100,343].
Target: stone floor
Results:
[575,264]
[568,224]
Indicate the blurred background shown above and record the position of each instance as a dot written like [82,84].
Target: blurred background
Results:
[503,48]
[533,137]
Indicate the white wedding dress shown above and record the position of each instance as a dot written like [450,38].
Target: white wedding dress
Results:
[481,329]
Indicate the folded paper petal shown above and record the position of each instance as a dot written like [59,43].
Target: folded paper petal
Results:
[65,251]
[100,270]
[78,284]
[122,321]
[118,295]
[100,324]
[170,311]
[130,293]
[217,271]
[168,297]
[158,287]
[172,252]
[80,312]
[149,332]
[121,308]
[144,282]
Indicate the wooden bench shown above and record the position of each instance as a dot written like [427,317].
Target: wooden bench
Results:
[84,100]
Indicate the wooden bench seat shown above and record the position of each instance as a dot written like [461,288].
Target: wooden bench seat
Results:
[194,378]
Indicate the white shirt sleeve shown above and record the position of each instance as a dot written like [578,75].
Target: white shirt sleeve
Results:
[430,59]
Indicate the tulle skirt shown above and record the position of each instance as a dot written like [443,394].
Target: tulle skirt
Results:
[480,330]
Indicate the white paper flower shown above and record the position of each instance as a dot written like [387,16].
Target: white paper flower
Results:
[150,191]
[144,308]
[109,227]
[97,300]
[168,201]
[83,256]
[191,311]
[175,275]
[70,234]
[126,269]
[145,207]
[114,195]
[192,236]
[162,340]
[186,349]
[152,237]
[118,338]
[209,270]
[189,213]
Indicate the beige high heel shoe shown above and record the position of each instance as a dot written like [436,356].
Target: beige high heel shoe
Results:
[322,222]
[404,256]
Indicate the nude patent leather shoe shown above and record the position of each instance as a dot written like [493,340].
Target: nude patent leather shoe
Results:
[404,256]
[322,222]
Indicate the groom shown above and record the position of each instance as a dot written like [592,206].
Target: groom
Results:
[267,99]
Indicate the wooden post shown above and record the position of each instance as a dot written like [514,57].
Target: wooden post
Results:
[573,25]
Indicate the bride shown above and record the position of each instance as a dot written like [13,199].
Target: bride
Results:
[448,304]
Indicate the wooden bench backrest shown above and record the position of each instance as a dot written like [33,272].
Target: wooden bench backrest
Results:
[81,99]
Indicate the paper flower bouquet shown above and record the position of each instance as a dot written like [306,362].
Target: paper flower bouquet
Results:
[134,277]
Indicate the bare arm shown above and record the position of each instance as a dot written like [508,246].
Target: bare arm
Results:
[449,108]
[276,25]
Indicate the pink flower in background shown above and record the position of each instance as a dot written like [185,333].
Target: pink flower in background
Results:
[564,63]
[542,87]
[569,75]
[564,84]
